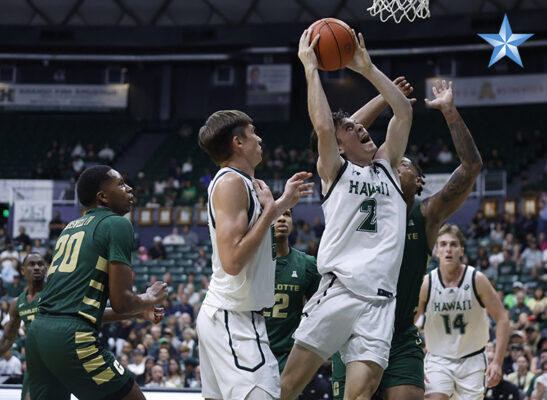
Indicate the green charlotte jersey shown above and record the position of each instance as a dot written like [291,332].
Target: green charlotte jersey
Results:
[25,309]
[413,269]
[77,282]
[296,278]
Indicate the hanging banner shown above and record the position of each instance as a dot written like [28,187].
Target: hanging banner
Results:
[496,90]
[63,97]
[34,216]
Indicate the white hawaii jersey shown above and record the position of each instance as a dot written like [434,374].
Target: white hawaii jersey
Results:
[253,288]
[365,224]
[456,324]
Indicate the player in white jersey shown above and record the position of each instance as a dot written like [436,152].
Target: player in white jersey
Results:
[362,245]
[454,298]
[236,361]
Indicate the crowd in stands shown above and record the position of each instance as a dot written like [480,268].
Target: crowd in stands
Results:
[63,161]
[508,250]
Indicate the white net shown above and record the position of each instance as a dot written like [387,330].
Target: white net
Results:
[399,9]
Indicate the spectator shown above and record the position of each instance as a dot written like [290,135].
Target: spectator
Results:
[503,390]
[195,383]
[497,234]
[10,365]
[445,156]
[38,248]
[179,176]
[188,167]
[202,261]
[106,153]
[193,296]
[159,186]
[15,288]
[78,150]
[23,238]
[137,366]
[532,338]
[205,178]
[516,350]
[163,357]
[172,167]
[157,251]
[510,300]
[520,307]
[143,253]
[175,378]
[190,237]
[78,166]
[539,299]
[188,338]
[56,225]
[318,226]
[496,256]
[522,377]
[190,365]
[278,185]
[9,259]
[4,238]
[173,238]
[157,380]
[188,192]
[507,266]
[531,258]
[153,203]
[540,385]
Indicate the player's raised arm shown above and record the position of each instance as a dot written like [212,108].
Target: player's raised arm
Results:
[493,305]
[10,329]
[424,297]
[367,114]
[399,125]
[330,161]
[450,198]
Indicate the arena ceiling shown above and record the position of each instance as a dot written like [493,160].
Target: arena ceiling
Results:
[221,12]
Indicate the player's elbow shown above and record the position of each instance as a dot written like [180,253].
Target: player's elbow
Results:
[120,304]
[232,268]
[403,111]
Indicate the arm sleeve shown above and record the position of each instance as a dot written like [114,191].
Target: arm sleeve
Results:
[120,239]
[312,276]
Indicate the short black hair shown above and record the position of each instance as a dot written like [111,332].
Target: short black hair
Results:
[419,172]
[337,118]
[32,253]
[90,183]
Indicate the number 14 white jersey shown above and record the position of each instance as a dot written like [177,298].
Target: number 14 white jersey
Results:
[456,324]
[365,225]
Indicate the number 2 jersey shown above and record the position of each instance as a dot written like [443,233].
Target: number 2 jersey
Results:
[364,237]
[77,279]
[456,324]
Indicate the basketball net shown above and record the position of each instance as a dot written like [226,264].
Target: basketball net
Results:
[398,9]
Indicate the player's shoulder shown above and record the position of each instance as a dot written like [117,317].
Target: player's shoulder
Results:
[115,224]
[301,256]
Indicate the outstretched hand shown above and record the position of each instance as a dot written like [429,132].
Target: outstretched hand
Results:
[295,188]
[404,86]
[443,95]
[306,51]
[494,374]
[263,193]
[360,62]
[157,292]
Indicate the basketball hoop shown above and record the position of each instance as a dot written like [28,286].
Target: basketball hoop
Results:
[397,9]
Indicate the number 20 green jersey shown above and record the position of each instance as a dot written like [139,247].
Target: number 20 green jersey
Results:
[77,279]
[296,278]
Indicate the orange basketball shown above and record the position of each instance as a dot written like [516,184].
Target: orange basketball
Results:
[336,45]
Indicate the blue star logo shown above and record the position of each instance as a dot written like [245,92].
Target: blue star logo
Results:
[505,43]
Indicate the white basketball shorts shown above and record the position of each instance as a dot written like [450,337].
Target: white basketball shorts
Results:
[234,354]
[336,319]
[463,378]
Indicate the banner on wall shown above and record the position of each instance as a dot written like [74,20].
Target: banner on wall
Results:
[34,215]
[25,189]
[63,97]
[268,84]
[496,90]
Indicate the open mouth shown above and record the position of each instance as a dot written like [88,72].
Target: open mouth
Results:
[365,138]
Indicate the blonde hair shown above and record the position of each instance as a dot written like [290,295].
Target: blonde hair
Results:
[454,230]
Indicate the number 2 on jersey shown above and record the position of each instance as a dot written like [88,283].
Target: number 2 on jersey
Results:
[281,302]
[369,223]
[67,248]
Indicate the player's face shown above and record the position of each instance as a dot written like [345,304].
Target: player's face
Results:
[449,249]
[409,177]
[35,268]
[283,224]
[353,139]
[251,144]
[118,196]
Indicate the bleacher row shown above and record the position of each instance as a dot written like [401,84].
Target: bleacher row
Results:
[179,262]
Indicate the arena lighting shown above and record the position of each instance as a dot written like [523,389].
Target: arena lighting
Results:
[252,50]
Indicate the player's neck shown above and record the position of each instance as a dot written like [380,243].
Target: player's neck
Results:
[452,275]
[34,288]
[241,165]
[282,248]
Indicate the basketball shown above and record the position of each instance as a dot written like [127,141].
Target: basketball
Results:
[336,45]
